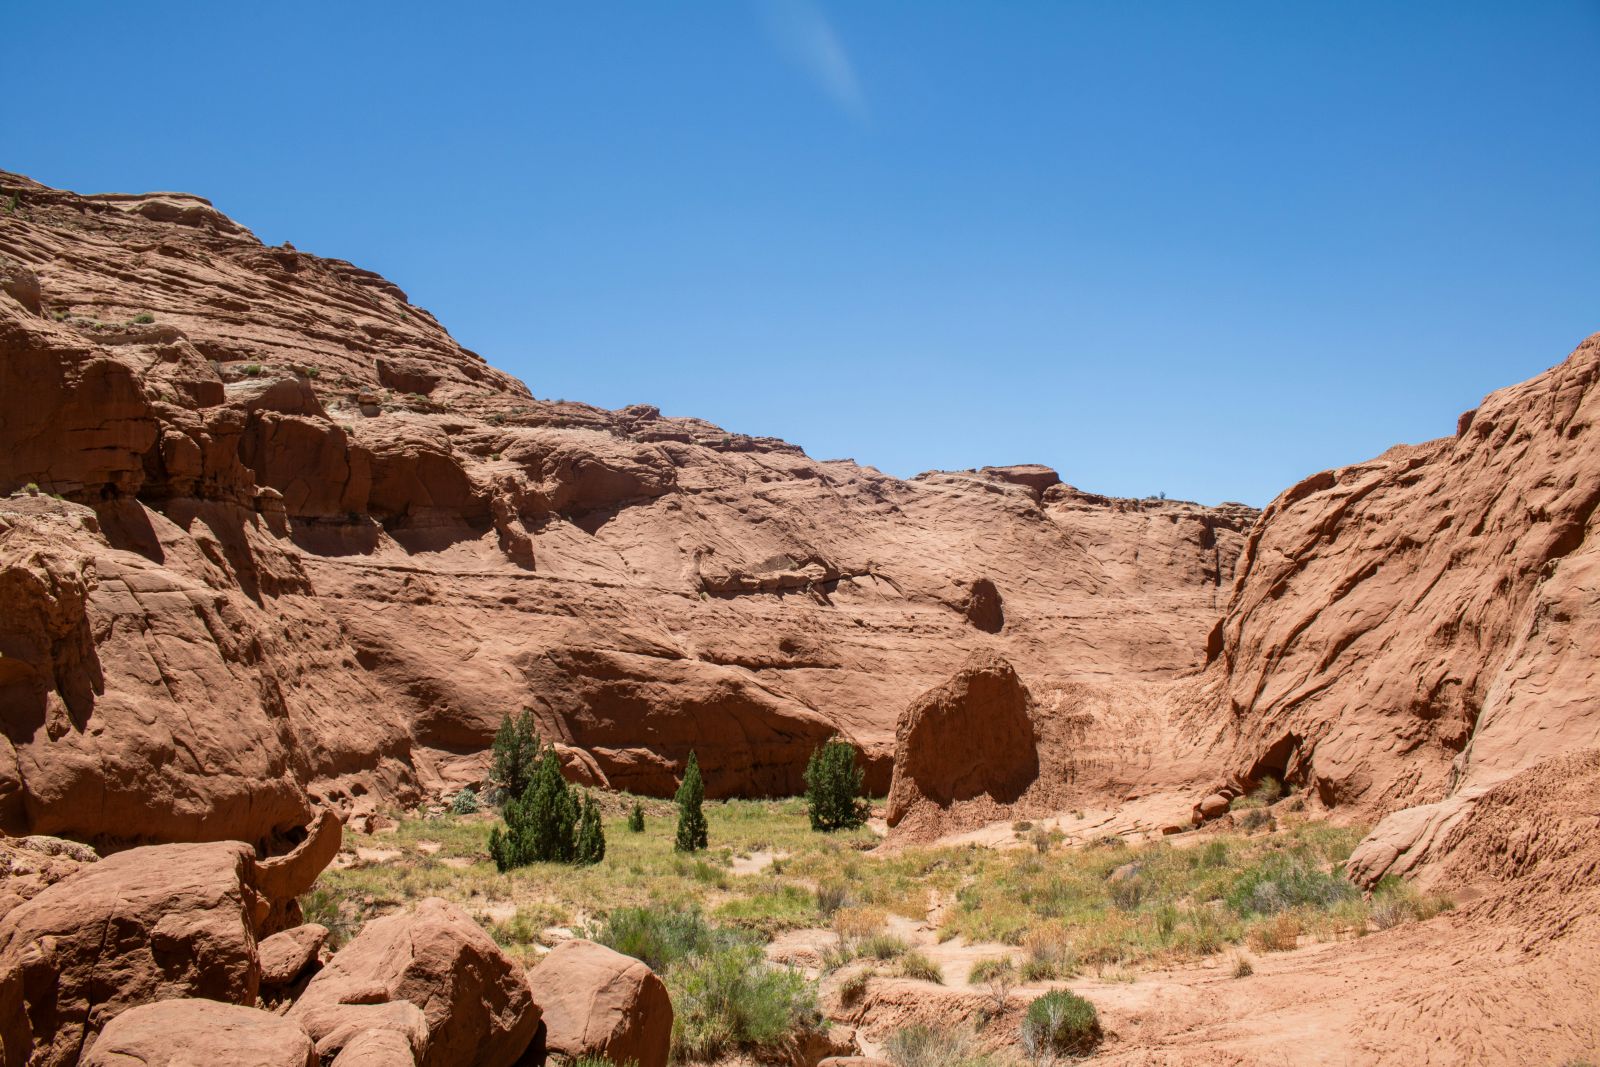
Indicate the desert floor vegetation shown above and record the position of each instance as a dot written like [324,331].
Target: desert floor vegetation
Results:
[1111,903]
[703,919]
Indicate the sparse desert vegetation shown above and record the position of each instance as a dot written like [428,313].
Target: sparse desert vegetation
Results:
[703,919]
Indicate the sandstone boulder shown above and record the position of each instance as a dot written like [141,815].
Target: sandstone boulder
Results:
[597,1002]
[473,997]
[1212,807]
[971,736]
[287,956]
[200,1033]
[144,925]
[377,1048]
[336,1027]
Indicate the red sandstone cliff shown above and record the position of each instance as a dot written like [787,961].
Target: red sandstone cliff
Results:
[1415,629]
[291,542]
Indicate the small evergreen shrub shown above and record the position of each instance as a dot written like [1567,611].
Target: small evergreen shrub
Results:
[144,318]
[834,787]
[636,818]
[1060,1022]
[591,843]
[514,755]
[691,818]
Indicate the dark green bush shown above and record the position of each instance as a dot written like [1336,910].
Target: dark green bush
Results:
[636,818]
[541,823]
[691,818]
[515,756]
[591,844]
[834,787]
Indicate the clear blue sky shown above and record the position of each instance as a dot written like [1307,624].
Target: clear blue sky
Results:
[1195,248]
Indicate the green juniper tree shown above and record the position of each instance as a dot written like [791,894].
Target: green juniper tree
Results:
[515,756]
[591,846]
[834,787]
[636,818]
[540,822]
[691,820]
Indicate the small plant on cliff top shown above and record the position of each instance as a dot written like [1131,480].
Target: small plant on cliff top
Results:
[834,787]
[691,819]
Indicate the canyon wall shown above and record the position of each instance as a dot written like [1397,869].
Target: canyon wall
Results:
[270,537]
[1408,632]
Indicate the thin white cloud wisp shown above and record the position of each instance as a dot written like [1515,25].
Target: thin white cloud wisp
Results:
[801,30]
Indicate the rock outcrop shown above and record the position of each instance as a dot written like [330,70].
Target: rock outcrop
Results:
[473,998]
[191,1033]
[310,550]
[1415,629]
[972,736]
[149,924]
[601,1004]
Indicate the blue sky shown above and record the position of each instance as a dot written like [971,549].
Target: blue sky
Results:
[1195,248]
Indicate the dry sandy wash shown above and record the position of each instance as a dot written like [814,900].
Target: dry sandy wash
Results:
[271,540]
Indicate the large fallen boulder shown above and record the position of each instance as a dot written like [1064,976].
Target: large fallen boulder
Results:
[155,923]
[475,1001]
[971,736]
[188,1033]
[600,1003]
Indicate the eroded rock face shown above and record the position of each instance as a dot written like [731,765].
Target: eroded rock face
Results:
[600,1003]
[149,924]
[1422,626]
[473,998]
[311,550]
[972,736]
[188,1033]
